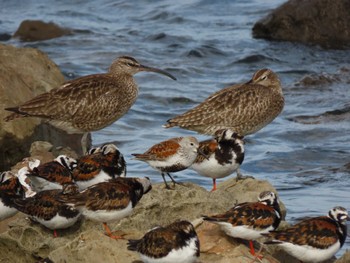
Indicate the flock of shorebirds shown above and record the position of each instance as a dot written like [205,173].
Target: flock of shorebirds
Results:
[56,194]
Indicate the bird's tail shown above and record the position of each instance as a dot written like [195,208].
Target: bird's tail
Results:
[132,244]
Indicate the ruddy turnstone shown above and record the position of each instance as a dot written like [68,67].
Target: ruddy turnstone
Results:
[313,240]
[101,164]
[250,220]
[225,155]
[88,103]
[171,156]
[174,243]
[52,175]
[48,209]
[110,201]
[244,108]
[10,189]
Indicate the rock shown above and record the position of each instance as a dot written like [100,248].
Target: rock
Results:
[25,73]
[317,22]
[86,242]
[345,258]
[36,30]
[5,37]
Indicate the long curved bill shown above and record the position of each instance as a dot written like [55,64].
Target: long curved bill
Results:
[157,70]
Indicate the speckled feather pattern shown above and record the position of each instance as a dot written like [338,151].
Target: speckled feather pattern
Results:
[254,215]
[52,171]
[244,108]
[160,241]
[320,232]
[45,205]
[90,165]
[88,103]
[112,195]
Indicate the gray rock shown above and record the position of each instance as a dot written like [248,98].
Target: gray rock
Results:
[25,73]
[317,22]
[36,30]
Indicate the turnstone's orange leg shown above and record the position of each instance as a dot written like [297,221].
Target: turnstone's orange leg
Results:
[55,233]
[214,185]
[109,232]
[252,251]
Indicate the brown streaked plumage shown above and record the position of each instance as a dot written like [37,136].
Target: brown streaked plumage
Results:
[48,209]
[225,154]
[250,220]
[52,175]
[313,240]
[244,108]
[89,103]
[102,164]
[171,156]
[109,201]
[176,242]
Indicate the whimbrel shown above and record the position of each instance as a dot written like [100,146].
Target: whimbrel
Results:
[88,103]
[244,108]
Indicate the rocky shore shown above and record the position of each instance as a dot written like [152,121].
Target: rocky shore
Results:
[25,241]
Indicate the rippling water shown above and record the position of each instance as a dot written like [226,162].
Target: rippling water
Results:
[208,45]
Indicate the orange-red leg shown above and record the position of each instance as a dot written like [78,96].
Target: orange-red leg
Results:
[252,251]
[55,233]
[109,232]
[214,185]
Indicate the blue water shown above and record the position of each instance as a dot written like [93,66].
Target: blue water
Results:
[208,45]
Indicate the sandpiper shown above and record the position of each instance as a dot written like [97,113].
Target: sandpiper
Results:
[244,108]
[101,164]
[225,154]
[249,220]
[177,242]
[171,156]
[47,209]
[51,175]
[88,103]
[313,240]
[110,201]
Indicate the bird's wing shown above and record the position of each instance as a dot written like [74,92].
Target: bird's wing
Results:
[318,232]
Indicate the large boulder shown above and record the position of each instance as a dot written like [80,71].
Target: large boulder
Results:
[36,30]
[25,73]
[318,22]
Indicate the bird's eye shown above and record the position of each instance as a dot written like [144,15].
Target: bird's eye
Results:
[263,77]
[130,64]
[192,144]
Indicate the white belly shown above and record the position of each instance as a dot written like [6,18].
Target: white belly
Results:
[57,222]
[310,254]
[107,216]
[186,254]
[101,177]
[6,212]
[211,168]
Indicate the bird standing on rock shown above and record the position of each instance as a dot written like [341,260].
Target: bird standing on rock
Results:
[89,103]
[244,108]
[225,155]
[173,155]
